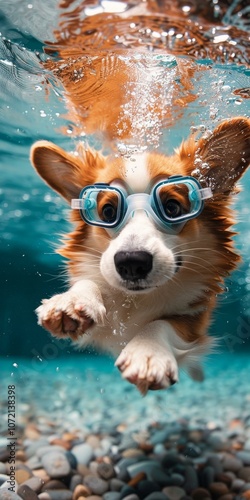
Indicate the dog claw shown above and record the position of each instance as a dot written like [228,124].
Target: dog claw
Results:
[150,370]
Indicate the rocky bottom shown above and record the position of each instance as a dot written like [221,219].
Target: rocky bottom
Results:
[81,432]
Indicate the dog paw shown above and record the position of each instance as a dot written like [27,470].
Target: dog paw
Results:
[68,315]
[147,367]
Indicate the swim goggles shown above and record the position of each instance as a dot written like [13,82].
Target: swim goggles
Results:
[170,203]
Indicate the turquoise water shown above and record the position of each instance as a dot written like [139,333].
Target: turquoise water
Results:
[32,215]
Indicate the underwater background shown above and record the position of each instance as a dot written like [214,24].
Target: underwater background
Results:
[194,436]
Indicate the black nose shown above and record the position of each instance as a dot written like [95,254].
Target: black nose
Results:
[133,266]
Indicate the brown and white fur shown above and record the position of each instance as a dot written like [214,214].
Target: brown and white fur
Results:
[164,325]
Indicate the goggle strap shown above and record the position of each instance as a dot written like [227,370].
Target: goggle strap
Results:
[206,193]
[77,203]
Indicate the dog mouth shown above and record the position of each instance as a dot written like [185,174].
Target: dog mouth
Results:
[140,286]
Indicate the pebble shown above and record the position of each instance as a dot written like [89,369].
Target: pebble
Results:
[22,474]
[156,496]
[231,463]
[54,484]
[244,456]
[133,496]
[191,479]
[116,484]
[174,492]
[81,490]
[5,494]
[146,486]
[26,493]
[35,483]
[56,495]
[244,473]
[56,464]
[75,481]
[111,495]
[106,471]
[218,489]
[200,494]
[96,484]
[83,453]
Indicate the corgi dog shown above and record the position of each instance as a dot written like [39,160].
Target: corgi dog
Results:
[150,249]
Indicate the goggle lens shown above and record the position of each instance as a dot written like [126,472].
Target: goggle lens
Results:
[170,203]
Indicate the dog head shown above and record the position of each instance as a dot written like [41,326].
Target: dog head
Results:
[139,248]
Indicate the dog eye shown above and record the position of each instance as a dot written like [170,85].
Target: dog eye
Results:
[173,209]
[109,212]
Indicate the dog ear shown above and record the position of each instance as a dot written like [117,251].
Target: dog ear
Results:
[222,159]
[64,172]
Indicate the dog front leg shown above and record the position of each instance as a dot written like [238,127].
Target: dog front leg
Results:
[149,359]
[73,312]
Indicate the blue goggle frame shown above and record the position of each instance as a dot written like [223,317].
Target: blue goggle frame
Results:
[128,204]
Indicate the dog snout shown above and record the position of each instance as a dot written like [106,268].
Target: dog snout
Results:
[133,266]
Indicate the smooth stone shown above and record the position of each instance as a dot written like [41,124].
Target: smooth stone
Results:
[32,447]
[224,478]
[23,473]
[34,463]
[156,496]
[6,484]
[160,436]
[217,489]
[215,462]
[159,476]
[133,496]
[4,454]
[44,450]
[174,492]
[207,476]
[175,479]
[145,487]
[126,491]
[56,464]
[159,449]
[237,484]
[3,478]
[200,494]
[146,466]
[96,484]
[75,481]
[54,484]
[26,493]
[56,495]
[244,473]
[170,460]
[5,494]
[132,453]
[94,497]
[2,468]
[83,453]
[192,450]
[71,459]
[116,484]
[245,487]
[81,490]
[244,456]
[111,495]
[191,479]
[218,442]
[231,463]
[106,471]
[35,483]
[228,496]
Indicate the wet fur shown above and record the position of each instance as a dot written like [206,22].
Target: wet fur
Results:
[152,333]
